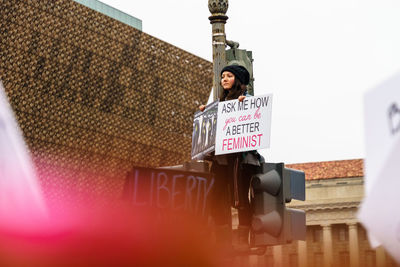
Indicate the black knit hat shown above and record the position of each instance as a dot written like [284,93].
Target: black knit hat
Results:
[240,72]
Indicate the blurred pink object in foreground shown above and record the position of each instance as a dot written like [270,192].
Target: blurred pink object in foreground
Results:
[88,230]
[22,207]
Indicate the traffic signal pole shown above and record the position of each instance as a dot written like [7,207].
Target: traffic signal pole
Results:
[274,186]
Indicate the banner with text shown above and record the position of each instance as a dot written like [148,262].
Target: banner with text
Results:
[243,126]
[204,128]
[170,189]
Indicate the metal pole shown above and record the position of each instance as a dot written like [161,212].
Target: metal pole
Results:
[218,19]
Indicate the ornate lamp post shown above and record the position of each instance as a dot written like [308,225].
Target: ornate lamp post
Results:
[218,19]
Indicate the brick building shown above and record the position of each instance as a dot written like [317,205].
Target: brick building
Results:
[94,95]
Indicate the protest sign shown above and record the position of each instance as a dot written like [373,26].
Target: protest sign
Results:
[204,128]
[243,126]
[20,193]
[382,123]
[169,189]
[379,211]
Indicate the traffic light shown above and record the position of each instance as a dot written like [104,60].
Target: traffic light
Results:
[272,222]
[237,56]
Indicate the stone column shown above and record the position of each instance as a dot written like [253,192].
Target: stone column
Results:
[218,19]
[380,257]
[353,245]
[302,250]
[278,257]
[327,240]
[253,259]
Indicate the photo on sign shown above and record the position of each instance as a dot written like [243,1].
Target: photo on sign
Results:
[204,128]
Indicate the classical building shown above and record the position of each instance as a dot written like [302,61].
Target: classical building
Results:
[335,238]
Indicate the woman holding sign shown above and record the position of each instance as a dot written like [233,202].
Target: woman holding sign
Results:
[234,171]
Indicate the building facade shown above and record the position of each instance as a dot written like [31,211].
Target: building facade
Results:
[95,96]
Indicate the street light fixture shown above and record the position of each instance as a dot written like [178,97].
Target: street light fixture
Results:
[218,19]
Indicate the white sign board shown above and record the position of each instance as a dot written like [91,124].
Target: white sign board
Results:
[243,126]
[380,212]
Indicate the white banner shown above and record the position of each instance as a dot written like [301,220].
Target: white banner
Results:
[243,126]
[380,212]
[21,200]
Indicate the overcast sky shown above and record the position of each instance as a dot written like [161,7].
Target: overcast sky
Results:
[317,57]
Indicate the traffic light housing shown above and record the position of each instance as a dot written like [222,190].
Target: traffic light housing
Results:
[237,56]
[273,223]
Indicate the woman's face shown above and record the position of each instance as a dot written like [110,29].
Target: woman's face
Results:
[227,80]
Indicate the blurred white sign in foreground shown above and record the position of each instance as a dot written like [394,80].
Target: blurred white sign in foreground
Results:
[380,210]
[21,200]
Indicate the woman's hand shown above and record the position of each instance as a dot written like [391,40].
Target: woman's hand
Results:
[202,107]
[241,98]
